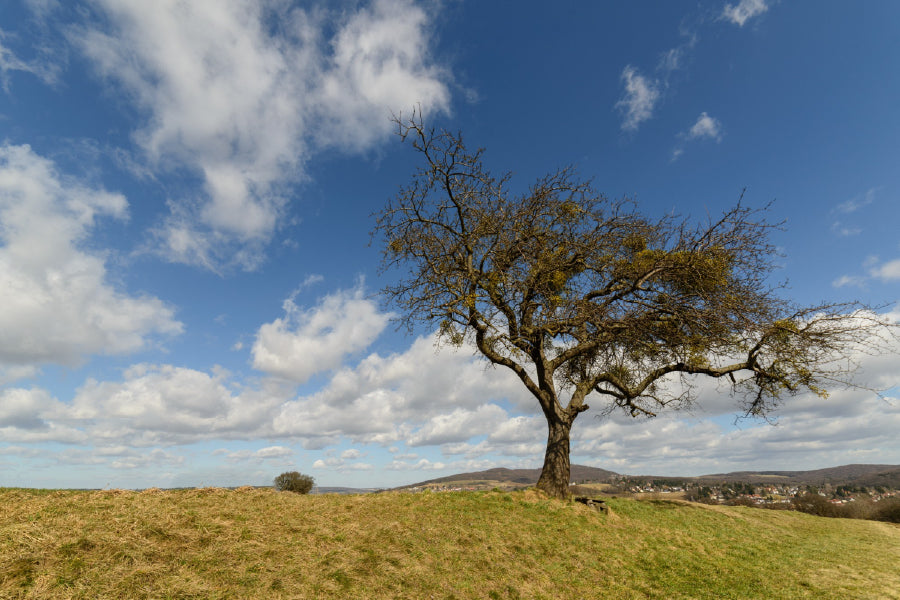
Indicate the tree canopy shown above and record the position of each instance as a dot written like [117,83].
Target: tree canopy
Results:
[294,481]
[583,295]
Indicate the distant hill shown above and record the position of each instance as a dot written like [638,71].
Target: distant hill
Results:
[868,475]
[343,490]
[862,475]
[889,478]
[520,476]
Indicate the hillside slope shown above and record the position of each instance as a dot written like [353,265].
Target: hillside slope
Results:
[252,543]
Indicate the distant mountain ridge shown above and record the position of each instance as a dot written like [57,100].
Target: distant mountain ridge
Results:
[855,474]
[521,476]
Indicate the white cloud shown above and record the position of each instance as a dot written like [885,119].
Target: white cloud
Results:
[889,271]
[843,230]
[848,280]
[886,272]
[271,453]
[9,62]
[706,127]
[810,433]
[639,99]
[58,306]
[458,425]
[519,429]
[306,342]
[745,10]
[340,465]
[24,409]
[244,104]
[32,416]
[144,460]
[422,465]
[851,206]
[164,404]
[672,59]
[675,58]
[858,202]
[422,394]
[377,66]
[429,397]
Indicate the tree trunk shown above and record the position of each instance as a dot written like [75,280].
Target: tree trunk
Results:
[555,474]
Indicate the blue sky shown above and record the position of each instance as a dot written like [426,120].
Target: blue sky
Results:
[189,292]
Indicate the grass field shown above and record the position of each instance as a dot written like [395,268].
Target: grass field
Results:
[250,543]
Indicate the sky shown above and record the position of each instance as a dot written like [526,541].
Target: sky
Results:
[189,287]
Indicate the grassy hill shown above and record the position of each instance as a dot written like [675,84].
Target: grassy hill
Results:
[256,543]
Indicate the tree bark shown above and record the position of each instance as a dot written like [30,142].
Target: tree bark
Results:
[554,479]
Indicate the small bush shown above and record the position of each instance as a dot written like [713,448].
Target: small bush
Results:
[292,481]
[888,510]
[815,504]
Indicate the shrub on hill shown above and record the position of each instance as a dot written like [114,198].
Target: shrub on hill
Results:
[292,481]
[888,510]
[814,504]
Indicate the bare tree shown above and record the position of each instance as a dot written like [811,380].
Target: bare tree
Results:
[582,295]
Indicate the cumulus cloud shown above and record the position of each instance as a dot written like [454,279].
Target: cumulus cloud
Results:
[743,11]
[32,416]
[518,429]
[24,409]
[269,453]
[306,342]
[142,460]
[165,404]
[886,272]
[458,425]
[244,104]
[811,432]
[412,395]
[421,465]
[58,305]
[706,127]
[639,98]
[875,269]
[377,65]
[446,398]
[422,396]
[341,465]
[848,280]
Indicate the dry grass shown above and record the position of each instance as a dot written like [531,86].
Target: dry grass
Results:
[248,543]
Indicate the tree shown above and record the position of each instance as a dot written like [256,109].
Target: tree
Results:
[580,295]
[292,481]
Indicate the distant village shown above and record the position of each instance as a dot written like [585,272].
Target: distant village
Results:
[709,493]
[749,493]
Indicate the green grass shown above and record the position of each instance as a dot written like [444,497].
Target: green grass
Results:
[213,543]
